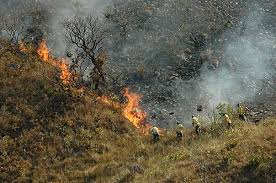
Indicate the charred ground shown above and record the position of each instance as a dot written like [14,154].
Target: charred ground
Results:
[50,135]
[174,52]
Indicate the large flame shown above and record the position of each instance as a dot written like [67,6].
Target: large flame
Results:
[46,56]
[133,111]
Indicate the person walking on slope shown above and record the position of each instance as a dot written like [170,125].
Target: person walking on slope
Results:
[155,134]
[227,120]
[242,111]
[196,124]
[179,131]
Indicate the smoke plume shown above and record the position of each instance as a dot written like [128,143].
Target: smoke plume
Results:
[155,46]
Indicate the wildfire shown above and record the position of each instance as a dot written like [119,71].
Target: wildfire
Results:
[46,56]
[135,113]
[132,111]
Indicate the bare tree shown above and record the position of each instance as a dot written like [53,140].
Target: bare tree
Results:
[86,35]
[12,26]
[25,21]
[11,29]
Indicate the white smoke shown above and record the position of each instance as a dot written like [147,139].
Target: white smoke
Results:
[247,55]
[246,64]
[160,40]
[64,9]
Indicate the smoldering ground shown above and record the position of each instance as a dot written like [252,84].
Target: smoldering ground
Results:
[245,64]
[245,51]
[149,48]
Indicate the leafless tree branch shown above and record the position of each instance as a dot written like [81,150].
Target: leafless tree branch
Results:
[87,35]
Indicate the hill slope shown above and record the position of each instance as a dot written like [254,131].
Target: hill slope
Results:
[45,129]
[50,135]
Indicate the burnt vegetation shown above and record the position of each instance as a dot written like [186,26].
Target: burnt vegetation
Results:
[86,35]
[56,132]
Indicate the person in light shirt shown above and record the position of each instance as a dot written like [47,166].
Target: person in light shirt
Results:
[226,119]
[154,131]
[179,131]
[196,124]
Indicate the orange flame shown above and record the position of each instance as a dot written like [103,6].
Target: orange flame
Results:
[46,56]
[133,111]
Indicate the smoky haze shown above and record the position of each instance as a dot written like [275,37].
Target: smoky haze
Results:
[245,51]
[149,45]
[245,65]
[64,9]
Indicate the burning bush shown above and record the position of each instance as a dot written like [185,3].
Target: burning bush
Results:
[46,56]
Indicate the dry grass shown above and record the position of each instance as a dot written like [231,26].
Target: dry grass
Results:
[49,136]
[244,154]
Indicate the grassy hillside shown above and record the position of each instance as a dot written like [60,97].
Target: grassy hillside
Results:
[243,154]
[45,129]
[48,134]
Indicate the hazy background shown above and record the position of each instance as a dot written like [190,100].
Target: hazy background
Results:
[150,48]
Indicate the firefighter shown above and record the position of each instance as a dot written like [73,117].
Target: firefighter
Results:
[242,110]
[196,124]
[155,133]
[226,119]
[179,131]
